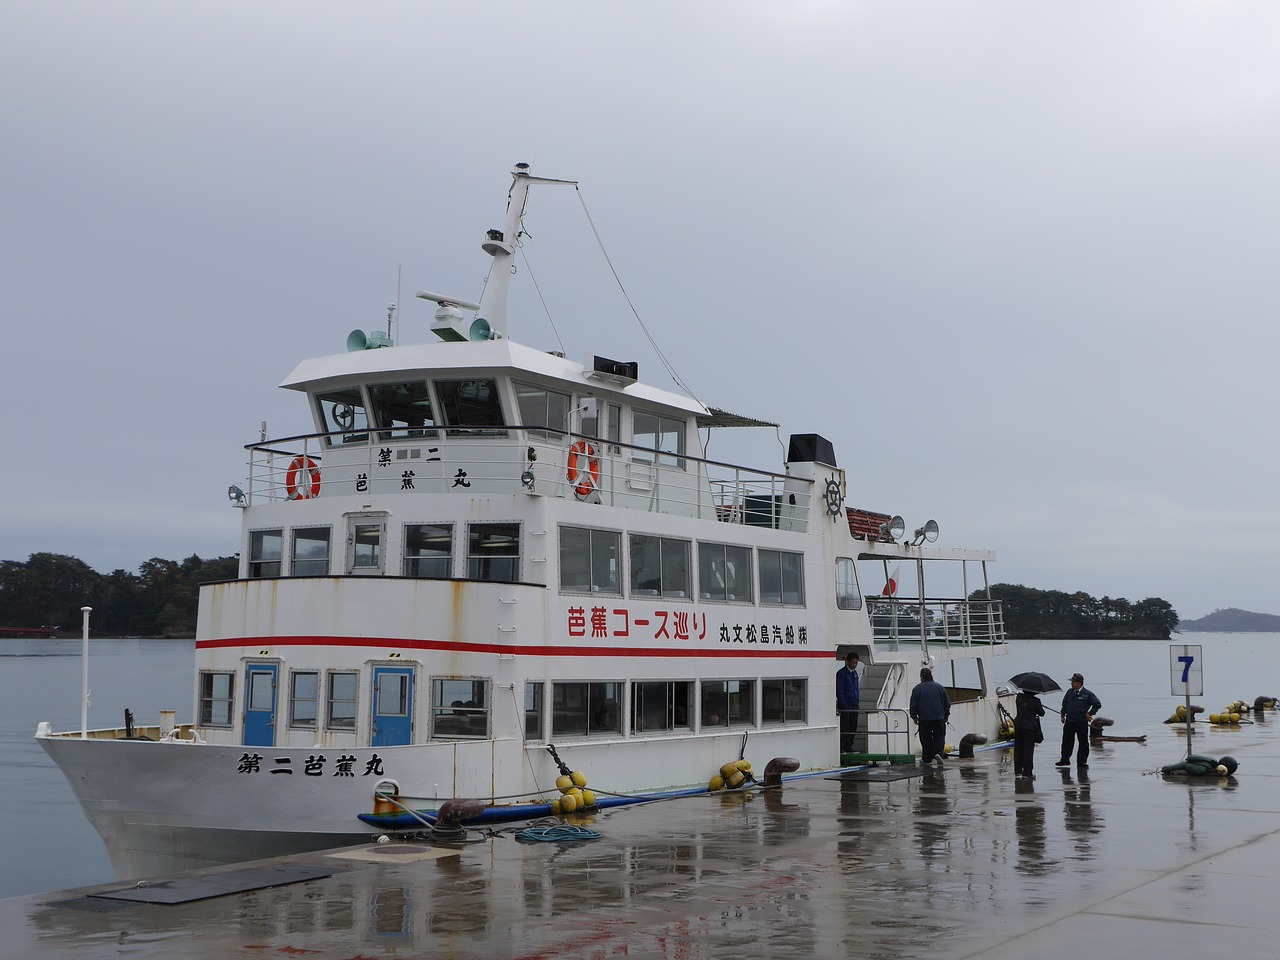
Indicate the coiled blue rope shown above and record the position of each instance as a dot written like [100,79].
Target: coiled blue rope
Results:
[560,833]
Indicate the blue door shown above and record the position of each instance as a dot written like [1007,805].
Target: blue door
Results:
[392,706]
[260,705]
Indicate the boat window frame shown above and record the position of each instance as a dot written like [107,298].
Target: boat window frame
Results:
[596,716]
[294,700]
[207,697]
[544,423]
[845,600]
[342,725]
[591,588]
[674,697]
[479,558]
[294,559]
[406,560]
[390,430]
[748,581]
[797,714]
[785,598]
[662,590]
[472,722]
[664,425]
[725,708]
[448,409]
[328,406]
[355,521]
[256,563]
[535,712]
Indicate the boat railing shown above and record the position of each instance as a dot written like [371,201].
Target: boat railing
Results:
[957,622]
[893,726]
[531,460]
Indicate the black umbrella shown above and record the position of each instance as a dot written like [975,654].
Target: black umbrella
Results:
[1034,682]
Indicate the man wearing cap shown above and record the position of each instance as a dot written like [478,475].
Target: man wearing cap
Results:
[930,709]
[1078,708]
[847,696]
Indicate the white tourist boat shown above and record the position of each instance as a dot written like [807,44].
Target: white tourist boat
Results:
[482,550]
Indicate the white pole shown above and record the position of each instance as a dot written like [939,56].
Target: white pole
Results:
[84,675]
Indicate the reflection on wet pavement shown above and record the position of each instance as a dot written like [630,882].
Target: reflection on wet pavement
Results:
[960,862]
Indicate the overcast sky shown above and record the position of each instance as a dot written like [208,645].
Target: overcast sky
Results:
[1015,260]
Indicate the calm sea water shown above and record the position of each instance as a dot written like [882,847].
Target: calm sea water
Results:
[48,844]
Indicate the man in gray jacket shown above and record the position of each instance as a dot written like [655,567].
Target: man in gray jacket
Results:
[930,709]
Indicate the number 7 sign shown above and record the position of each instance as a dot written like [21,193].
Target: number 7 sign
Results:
[1186,674]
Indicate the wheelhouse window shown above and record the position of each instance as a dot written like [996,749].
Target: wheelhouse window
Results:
[534,709]
[343,689]
[848,596]
[658,706]
[459,708]
[781,577]
[304,698]
[216,695]
[662,438]
[724,572]
[590,560]
[471,408]
[586,709]
[310,552]
[659,567]
[493,551]
[402,410]
[784,701]
[540,407]
[604,420]
[343,411]
[728,703]
[266,548]
[428,550]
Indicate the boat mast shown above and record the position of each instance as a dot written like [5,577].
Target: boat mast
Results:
[501,245]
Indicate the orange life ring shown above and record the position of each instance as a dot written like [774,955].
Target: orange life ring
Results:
[306,490]
[584,468]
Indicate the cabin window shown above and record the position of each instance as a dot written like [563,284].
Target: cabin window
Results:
[586,709]
[604,421]
[534,698]
[662,438]
[310,552]
[848,596]
[781,577]
[658,706]
[402,410]
[493,551]
[540,407]
[266,548]
[784,701]
[659,567]
[459,708]
[724,572]
[471,408]
[304,698]
[343,689]
[216,690]
[342,412]
[428,550]
[590,560]
[728,703]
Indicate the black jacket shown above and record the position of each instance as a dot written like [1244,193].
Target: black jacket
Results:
[1029,710]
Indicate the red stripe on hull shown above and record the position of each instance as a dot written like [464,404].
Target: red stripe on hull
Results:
[729,650]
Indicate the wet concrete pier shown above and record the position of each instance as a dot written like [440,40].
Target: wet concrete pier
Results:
[953,863]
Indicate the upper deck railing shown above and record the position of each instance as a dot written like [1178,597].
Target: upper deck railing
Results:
[898,621]
[530,460]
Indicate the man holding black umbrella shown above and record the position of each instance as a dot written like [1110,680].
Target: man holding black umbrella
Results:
[1078,708]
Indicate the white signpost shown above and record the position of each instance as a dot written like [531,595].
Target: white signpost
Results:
[1186,678]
